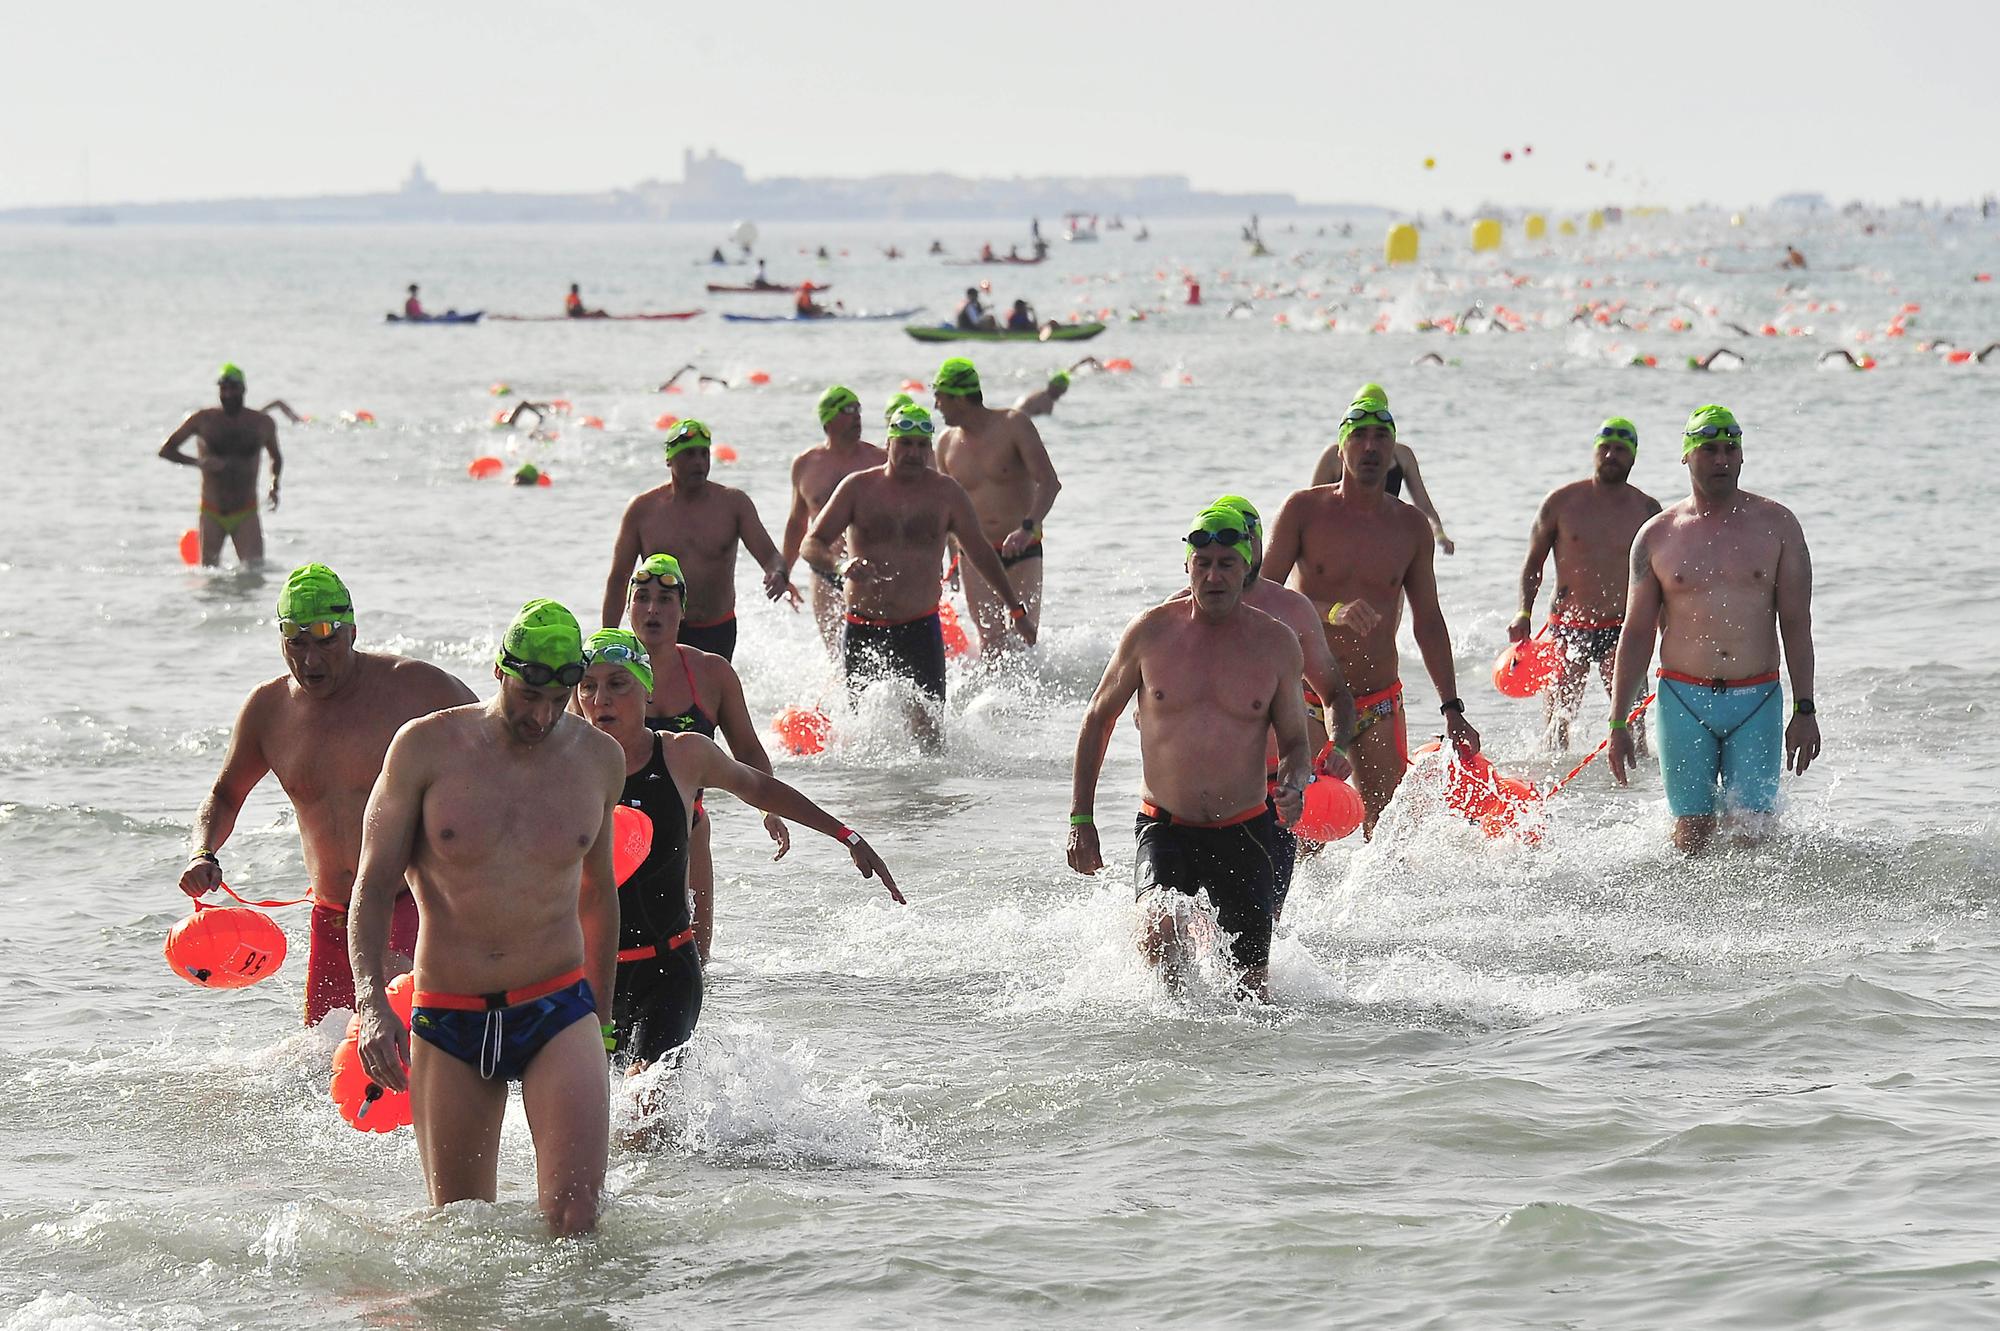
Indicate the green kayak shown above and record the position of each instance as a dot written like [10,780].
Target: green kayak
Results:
[946,333]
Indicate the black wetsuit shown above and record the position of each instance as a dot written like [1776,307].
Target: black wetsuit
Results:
[658,997]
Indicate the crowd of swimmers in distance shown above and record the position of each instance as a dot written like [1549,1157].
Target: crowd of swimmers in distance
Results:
[1273,666]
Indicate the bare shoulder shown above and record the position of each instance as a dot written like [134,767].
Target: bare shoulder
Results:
[707,665]
[1782,519]
[1291,607]
[596,749]
[420,680]
[646,501]
[1267,631]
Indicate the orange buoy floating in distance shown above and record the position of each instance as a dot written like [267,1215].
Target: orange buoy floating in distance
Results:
[225,947]
[480,468]
[667,421]
[759,377]
[724,453]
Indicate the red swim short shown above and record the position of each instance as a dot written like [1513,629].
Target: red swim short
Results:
[329,981]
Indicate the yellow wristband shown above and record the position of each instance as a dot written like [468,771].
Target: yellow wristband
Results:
[1333,615]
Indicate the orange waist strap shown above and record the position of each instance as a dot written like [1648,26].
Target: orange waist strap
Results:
[865,622]
[649,951]
[1152,810]
[490,1002]
[1750,683]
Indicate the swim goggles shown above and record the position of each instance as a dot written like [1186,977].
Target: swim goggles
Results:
[616,651]
[1620,434]
[319,630]
[1715,432]
[908,426]
[1201,540]
[664,579]
[689,430]
[540,676]
[1368,416]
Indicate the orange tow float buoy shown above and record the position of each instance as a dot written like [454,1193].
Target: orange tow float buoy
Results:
[225,947]
[1477,792]
[190,547]
[759,377]
[955,642]
[593,422]
[724,453]
[803,731]
[1333,809]
[363,1103]
[632,841]
[1524,669]
[480,468]
[666,421]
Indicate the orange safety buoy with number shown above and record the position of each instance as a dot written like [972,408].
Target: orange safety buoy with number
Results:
[225,947]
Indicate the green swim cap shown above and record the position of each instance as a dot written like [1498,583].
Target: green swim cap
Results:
[1367,409]
[1372,390]
[1221,519]
[912,422]
[527,474]
[229,374]
[688,434]
[620,647]
[1619,431]
[663,567]
[956,378]
[834,401]
[1715,420]
[313,593]
[544,633]
[1243,506]
[1060,379]
[896,404]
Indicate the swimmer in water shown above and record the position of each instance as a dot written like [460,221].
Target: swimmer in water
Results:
[1708,362]
[1360,554]
[815,473]
[1042,401]
[695,692]
[498,816]
[1792,259]
[674,379]
[1588,525]
[1215,680]
[229,445]
[322,729]
[896,519]
[700,522]
[1853,362]
[1725,578]
[657,997]
[998,456]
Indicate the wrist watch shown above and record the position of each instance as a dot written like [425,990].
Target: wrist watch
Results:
[1804,707]
[1453,705]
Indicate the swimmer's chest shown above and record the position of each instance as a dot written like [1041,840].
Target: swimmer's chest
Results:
[679,528]
[974,462]
[329,757]
[1192,680]
[511,814]
[897,519]
[231,438]
[1740,565]
[1365,552]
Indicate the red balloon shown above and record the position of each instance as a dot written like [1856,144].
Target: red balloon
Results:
[632,841]
[1524,669]
[1333,809]
[225,947]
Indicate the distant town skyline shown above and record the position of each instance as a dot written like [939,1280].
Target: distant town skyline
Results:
[1330,103]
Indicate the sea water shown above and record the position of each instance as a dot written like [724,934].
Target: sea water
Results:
[1575,1082]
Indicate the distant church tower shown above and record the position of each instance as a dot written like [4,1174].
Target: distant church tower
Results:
[418,182]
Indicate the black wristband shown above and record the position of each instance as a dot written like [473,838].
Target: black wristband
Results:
[1453,705]
[1804,707]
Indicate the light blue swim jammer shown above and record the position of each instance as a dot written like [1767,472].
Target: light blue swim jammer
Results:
[1720,740]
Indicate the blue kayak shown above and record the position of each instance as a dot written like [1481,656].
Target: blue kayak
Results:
[448,317]
[890,317]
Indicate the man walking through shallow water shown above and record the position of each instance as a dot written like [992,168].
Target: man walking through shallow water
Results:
[230,440]
[1214,678]
[1725,577]
[500,816]
[1588,525]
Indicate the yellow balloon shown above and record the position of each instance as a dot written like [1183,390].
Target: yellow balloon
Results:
[1430,162]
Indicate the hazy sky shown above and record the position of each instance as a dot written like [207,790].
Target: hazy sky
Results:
[1331,101]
